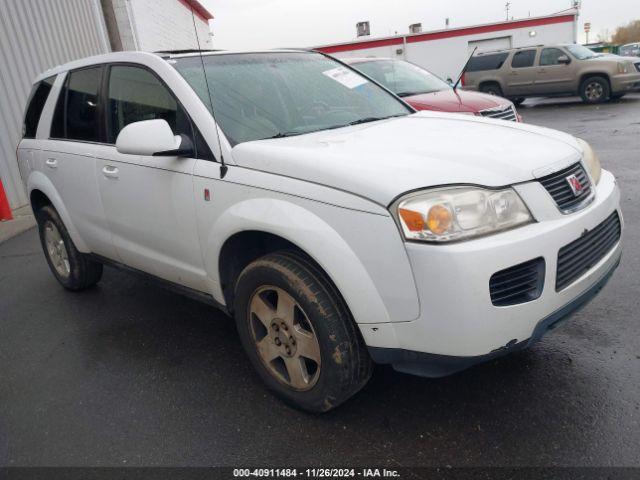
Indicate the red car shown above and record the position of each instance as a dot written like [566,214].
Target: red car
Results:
[425,91]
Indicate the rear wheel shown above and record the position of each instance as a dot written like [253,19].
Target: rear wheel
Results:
[73,269]
[298,333]
[595,90]
[491,89]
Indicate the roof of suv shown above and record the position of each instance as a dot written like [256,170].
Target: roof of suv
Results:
[507,50]
[133,56]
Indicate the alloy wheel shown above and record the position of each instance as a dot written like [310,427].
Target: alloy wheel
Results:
[285,340]
[56,249]
[594,91]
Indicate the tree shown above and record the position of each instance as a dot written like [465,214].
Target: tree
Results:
[628,33]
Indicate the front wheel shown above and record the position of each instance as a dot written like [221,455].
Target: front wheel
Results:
[491,89]
[595,90]
[298,333]
[73,269]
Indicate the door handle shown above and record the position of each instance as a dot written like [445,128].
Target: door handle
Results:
[110,171]
[51,163]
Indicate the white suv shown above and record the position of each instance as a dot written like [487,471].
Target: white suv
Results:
[336,225]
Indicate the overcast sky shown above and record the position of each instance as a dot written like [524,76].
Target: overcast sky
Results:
[245,24]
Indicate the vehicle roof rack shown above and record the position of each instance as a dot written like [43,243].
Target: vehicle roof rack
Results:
[499,50]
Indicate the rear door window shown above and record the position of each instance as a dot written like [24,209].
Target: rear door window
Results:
[77,113]
[487,62]
[37,99]
[523,59]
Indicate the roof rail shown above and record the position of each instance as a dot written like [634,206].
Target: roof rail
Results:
[493,51]
[516,48]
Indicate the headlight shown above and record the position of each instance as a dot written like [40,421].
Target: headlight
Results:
[625,67]
[458,213]
[591,160]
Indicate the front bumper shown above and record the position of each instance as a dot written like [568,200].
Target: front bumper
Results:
[433,366]
[457,318]
[624,83]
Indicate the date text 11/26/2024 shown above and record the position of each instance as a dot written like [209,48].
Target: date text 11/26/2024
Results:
[316,473]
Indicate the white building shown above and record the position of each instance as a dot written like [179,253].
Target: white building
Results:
[156,25]
[444,52]
[36,35]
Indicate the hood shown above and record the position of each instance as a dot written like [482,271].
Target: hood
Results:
[382,160]
[607,57]
[457,101]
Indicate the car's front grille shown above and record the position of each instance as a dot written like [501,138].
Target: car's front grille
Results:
[576,258]
[559,186]
[502,113]
[518,284]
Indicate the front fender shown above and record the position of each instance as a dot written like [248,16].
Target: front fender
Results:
[39,181]
[312,234]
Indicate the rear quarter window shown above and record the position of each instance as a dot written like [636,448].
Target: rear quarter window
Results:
[35,105]
[487,62]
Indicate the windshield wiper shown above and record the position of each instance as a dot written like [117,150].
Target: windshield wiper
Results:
[283,135]
[409,94]
[355,122]
[371,119]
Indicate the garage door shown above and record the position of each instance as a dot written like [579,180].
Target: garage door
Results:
[500,43]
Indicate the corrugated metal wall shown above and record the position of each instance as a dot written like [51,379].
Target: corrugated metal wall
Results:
[36,35]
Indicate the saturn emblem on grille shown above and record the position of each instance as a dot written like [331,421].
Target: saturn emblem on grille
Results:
[574,183]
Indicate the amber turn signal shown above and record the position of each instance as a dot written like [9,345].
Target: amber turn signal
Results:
[413,220]
[439,219]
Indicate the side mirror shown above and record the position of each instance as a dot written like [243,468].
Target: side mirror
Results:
[153,138]
[563,59]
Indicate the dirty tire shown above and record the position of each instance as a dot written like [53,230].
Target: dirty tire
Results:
[491,89]
[82,272]
[345,365]
[595,90]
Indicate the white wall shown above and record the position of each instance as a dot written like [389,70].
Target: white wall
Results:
[36,35]
[123,15]
[445,57]
[166,25]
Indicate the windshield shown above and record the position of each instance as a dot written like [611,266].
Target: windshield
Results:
[402,78]
[580,52]
[270,95]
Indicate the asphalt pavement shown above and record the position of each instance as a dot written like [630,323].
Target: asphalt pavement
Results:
[130,374]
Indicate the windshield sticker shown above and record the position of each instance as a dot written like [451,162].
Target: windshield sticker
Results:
[346,77]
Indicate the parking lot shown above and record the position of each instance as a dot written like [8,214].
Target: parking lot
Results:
[131,374]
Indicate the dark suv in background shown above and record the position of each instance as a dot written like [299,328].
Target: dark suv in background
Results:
[553,70]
